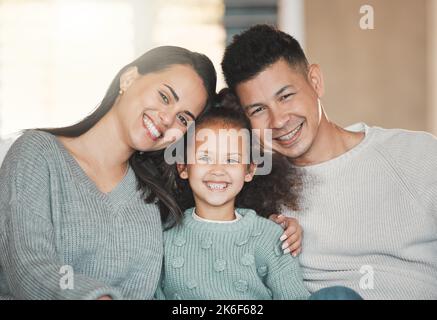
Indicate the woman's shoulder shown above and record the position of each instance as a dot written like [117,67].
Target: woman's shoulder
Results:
[25,169]
[27,154]
[36,139]
[33,143]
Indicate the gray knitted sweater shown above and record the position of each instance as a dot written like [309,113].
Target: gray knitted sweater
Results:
[370,217]
[61,238]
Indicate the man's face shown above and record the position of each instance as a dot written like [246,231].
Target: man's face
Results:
[283,99]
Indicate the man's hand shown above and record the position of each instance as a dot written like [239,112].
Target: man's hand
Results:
[292,237]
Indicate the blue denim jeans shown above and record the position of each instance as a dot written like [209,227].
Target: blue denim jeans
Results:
[335,293]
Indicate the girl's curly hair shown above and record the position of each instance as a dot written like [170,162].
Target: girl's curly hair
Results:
[265,194]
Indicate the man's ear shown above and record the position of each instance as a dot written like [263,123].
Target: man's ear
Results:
[250,172]
[315,77]
[182,170]
[128,77]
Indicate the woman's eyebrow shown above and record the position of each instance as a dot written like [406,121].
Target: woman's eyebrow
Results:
[190,114]
[176,97]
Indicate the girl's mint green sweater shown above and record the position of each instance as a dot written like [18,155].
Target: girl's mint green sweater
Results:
[241,260]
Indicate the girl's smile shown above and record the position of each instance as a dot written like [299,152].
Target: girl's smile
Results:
[217,186]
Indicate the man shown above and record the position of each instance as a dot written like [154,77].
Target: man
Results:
[369,202]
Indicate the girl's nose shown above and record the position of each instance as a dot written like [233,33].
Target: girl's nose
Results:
[217,169]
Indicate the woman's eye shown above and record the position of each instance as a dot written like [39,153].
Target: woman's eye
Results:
[183,120]
[164,98]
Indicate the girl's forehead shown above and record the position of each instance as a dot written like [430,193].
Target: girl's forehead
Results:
[215,134]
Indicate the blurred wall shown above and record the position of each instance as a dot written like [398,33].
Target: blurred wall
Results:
[431,30]
[377,76]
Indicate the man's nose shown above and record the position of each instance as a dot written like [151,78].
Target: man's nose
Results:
[278,118]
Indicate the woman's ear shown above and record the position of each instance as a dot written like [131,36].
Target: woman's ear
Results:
[128,77]
[250,172]
[182,170]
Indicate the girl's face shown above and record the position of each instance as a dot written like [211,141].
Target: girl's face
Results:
[219,165]
[155,108]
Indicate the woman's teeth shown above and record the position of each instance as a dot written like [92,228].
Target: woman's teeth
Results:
[217,186]
[151,127]
[291,134]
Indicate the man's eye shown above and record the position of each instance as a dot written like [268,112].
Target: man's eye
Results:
[257,110]
[284,97]
[183,120]
[164,98]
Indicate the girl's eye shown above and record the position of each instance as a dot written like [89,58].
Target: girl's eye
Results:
[204,159]
[257,110]
[233,161]
[182,119]
[164,98]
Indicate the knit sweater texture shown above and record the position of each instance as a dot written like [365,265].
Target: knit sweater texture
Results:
[55,223]
[240,260]
[370,217]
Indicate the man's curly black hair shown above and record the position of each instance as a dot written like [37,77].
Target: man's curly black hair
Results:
[266,194]
[255,49]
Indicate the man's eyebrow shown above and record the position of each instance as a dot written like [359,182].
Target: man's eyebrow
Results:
[283,89]
[172,92]
[259,104]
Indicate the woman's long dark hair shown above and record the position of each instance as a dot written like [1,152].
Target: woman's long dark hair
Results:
[266,194]
[147,165]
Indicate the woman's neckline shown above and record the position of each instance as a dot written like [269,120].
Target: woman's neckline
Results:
[125,188]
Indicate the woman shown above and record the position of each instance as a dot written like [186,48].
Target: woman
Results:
[72,223]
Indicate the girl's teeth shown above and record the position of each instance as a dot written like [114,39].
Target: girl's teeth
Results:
[217,186]
[290,135]
[151,127]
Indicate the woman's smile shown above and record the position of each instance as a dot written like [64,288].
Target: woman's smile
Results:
[153,131]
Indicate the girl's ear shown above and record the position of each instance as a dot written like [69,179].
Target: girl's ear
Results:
[251,172]
[183,171]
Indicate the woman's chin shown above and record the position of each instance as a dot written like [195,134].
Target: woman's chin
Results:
[145,144]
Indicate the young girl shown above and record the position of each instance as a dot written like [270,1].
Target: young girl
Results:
[222,248]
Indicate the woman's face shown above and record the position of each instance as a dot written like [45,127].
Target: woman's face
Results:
[156,108]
